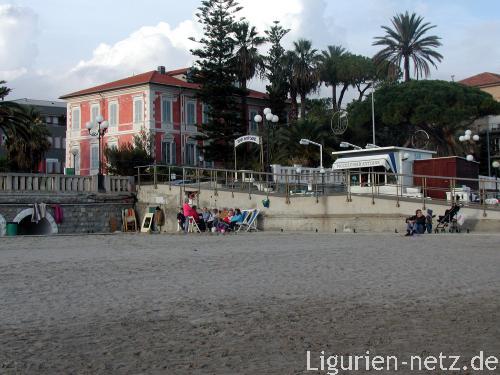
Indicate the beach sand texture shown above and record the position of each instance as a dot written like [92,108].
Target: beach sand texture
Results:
[241,304]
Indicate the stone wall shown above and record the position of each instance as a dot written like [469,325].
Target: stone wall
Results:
[328,213]
[83,213]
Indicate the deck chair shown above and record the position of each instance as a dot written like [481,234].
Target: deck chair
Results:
[246,215]
[192,226]
[251,223]
[129,220]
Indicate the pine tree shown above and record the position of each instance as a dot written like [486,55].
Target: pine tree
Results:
[214,70]
[277,71]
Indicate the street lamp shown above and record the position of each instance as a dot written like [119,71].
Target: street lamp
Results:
[347,145]
[74,151]
[306,142]
[270,120]
[470,138]
[98,128]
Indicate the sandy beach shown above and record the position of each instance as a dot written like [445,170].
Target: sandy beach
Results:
[241,304]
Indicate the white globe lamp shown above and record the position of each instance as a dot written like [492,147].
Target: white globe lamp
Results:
[470,158]
[275,119]
[269,116]
[475,138]
[258,118]
[267,110]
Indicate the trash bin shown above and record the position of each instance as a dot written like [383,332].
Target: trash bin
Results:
[11,228]
[70,171]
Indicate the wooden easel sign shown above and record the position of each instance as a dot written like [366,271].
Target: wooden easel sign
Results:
[147,222]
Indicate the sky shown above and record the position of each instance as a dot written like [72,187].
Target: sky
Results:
[49,48]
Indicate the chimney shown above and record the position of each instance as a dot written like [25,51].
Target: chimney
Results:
[161,69]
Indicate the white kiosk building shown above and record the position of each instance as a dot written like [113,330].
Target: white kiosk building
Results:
[390,169]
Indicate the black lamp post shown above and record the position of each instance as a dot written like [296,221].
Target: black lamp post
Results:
[269,120]
[98,128]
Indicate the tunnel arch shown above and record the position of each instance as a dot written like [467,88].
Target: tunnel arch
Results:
[25,226]
[3,226]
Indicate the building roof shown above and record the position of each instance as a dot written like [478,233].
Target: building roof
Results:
[153,76]
[43,103]
[483,79]
[382,150]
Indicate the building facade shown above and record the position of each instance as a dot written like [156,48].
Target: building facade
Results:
[488,127]
[163,103]
[53,115]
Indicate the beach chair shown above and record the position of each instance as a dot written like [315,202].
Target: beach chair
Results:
[246,215]
[448,220]
[251,223]
[192,226]
[129,220]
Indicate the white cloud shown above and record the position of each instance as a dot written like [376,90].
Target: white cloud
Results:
[18,32]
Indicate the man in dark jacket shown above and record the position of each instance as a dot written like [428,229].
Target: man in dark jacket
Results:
[415,224]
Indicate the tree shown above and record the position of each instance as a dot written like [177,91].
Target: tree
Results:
[25,153]
[12,116]
[407,41]
[4,90]
[440,108]
[214,70]
[248,62]
[330,60]
[122,161]
[277,71]
[304,71]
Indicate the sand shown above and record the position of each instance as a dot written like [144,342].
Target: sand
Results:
[241,304]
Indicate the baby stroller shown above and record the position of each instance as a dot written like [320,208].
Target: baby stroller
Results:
[449,220]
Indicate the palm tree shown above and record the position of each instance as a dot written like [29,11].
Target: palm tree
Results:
[25,153]
[304,71]
[247,60]
[4,90]
[407,41]
[328,69]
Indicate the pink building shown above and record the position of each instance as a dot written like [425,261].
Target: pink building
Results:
[161,102]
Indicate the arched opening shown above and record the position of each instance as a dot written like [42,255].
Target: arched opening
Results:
[26,227]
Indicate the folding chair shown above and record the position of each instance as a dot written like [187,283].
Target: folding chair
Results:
[246,215]
[192,226]
[129,221]
[251,223]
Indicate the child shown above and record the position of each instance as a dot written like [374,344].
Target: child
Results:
[181,219]
[428,220]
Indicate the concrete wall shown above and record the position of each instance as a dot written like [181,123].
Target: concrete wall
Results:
[328,213]
[83,213]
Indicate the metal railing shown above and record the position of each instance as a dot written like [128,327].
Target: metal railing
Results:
[470,192]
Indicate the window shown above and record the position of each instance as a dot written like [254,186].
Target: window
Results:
[138,111]
[49,139]
[166,111]
[168,152]
[48,120]
[94,157]
[191,113]
[254,127]
[94,112]
[204,114]
[57,142]
[55,120]
[52,166]
[113,114]
[64,143]
[190,154]
[75,118]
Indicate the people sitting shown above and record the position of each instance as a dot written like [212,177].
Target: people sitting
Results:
[181,219]
[235,219]
[415,224]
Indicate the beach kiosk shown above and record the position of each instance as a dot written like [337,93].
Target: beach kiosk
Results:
[390,169]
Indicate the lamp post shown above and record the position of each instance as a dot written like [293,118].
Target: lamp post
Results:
[496,165]
[307,142]
[347,145]
[269,120]
[470,138]
[74,152]
[98,128]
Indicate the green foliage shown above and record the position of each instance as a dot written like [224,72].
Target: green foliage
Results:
[4,90]
[12,116]
[440,108]
[407,41]
[214,69]
[122,161]
[277,69]
[304,71]
[24,153]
